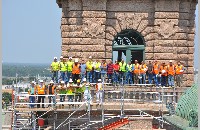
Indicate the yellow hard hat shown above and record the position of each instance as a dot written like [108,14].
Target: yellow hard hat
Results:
[78,81]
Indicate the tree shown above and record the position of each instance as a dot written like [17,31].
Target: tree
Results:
[7,97]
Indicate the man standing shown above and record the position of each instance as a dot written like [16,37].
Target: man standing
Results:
[97,69]
[150,72]
[136,72]
[55,69]
[83,70]
[171,72]
[110,72]
[51,91]
[179,73]
[103,69]
[99,94]
[143,69]
[63,69]
[32,93]
[116,72]
[122,71]
[163,71]
[62,90]
[129,75]
[76,71]
[89,69]
[40,91]
[156,69]
[69,68]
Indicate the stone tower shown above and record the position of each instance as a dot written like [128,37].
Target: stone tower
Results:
[156,29]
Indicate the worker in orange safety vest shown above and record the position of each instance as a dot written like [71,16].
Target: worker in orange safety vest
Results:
[76,70]
[156,75]
[40,90]
[171,73]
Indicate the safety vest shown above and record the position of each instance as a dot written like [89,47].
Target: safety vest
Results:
[63,66]
[143,69]
[129,67]
[99,87]
[171,70]
[97,66]
[137,68]
[122,67]
[69,66]
[79,89]
[76,69]
[178,69]
[31,90]
[70,90]
[162,69]
[41,90]
[89,66]
[156,69]
[55,66]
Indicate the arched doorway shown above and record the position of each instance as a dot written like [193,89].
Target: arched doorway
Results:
[129,45]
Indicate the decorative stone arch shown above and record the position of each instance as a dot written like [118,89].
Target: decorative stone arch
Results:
[131,43]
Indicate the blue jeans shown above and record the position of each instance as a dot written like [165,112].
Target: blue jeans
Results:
[171,80]
[82,76]
[156,80]
[89,76]
[53,98]
[70,98]
[129,77]
[62,98]
[55,76]
[103,75]
[150,76]
[163,80]
[143,79]
[109,78]
[32,100]
[122,75]
[62,75]
[116,77]
[96,76]
[69,75]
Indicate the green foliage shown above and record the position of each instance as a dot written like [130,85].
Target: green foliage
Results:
[7,97]
[7,81]
[31,70]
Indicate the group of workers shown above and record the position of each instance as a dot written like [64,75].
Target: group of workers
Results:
[75,92]
[118,72]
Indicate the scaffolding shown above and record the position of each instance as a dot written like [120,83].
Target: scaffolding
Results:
[31,121]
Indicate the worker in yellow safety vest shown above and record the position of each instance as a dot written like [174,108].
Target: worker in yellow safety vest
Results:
[70,91]
[179,73]
[69,68]
[55,69]
[129,73]
[40,91]
[63,69]
[122,71]
[97,69]
[89,70]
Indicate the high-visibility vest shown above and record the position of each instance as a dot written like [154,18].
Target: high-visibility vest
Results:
[143,68]
[76,69]
[170,70]
[122,67]
[129,67]
[51,89]
[156,68]
[70,90]
[41,90]
[99,86]
[137,68]
[63,66]
[178,68]
[55,66]
[89,66]
[97,66]
[70,66]
[163,68]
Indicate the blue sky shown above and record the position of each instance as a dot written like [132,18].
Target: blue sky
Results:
[31,31]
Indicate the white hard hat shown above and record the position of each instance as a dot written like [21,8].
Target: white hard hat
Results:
[90,57]
[70,57]
[84,79]
[76,60]
[51,82]
[61,57]
[70,81]
[33,82]
[41,81]
[55,58]
[170,61]
[99,80]
[87,85]
[62,82]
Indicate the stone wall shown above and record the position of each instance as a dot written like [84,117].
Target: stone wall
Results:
[88,28]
